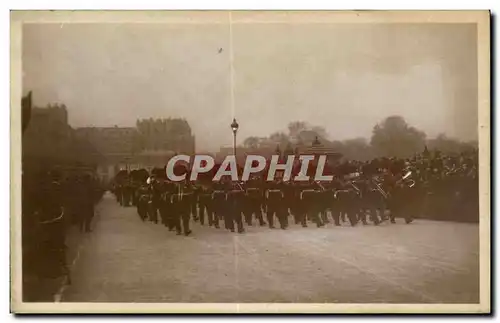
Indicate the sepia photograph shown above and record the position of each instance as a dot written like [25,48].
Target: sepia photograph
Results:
[250,162]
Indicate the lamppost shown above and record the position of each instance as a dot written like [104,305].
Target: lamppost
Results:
[127,165]
[234,127]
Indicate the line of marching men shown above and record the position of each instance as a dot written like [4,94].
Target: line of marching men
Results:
[232,204]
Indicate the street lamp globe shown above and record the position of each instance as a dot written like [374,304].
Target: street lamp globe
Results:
[234,125]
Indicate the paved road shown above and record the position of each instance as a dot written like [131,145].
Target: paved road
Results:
[125,260]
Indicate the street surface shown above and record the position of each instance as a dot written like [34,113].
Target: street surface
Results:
[126,260]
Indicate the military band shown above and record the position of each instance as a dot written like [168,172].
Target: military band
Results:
[366,194]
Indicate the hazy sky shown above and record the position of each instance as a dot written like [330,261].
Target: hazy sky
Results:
[344,77]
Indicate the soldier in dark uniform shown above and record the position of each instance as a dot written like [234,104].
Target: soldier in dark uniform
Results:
[162,204]
[117,190]
[143,201]
[370,198]
[407,192]
[398,197]
[225,205]
[289,201]
[85,202]
[194,202]
[127,192]
[275,198]
[71,199]
[235,198]
[324,201]
[219,203]
[205,189]
[345,195]
[348,200]
[168,210]
[389,184]
[253,201]
[154,202]
[119,184]
[292,194]
[135,187]
[182,202]
[335,208]
[301,205]
[310,196]
[364,200]
[204,194]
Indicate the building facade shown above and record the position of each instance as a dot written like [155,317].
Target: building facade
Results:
[49,141]
[111,140]
[150,144]
[170,134]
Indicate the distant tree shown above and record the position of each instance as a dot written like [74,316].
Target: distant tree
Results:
[449,145]
[296,127]
[266,144]
[356,148]
[279,138]
[471,145]
[394,137]
[307,137]
[251,142]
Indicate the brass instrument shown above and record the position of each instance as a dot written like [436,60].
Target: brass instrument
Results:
[240,187]
[407,180]
[320,186]
[411,183]
[355,187]
[337,191]
[380,189]
[274,191]
[451,171]
[180,192]
[350,177]
[304,191]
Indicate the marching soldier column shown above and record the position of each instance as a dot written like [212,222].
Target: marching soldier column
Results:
[360,192]
[352,196]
